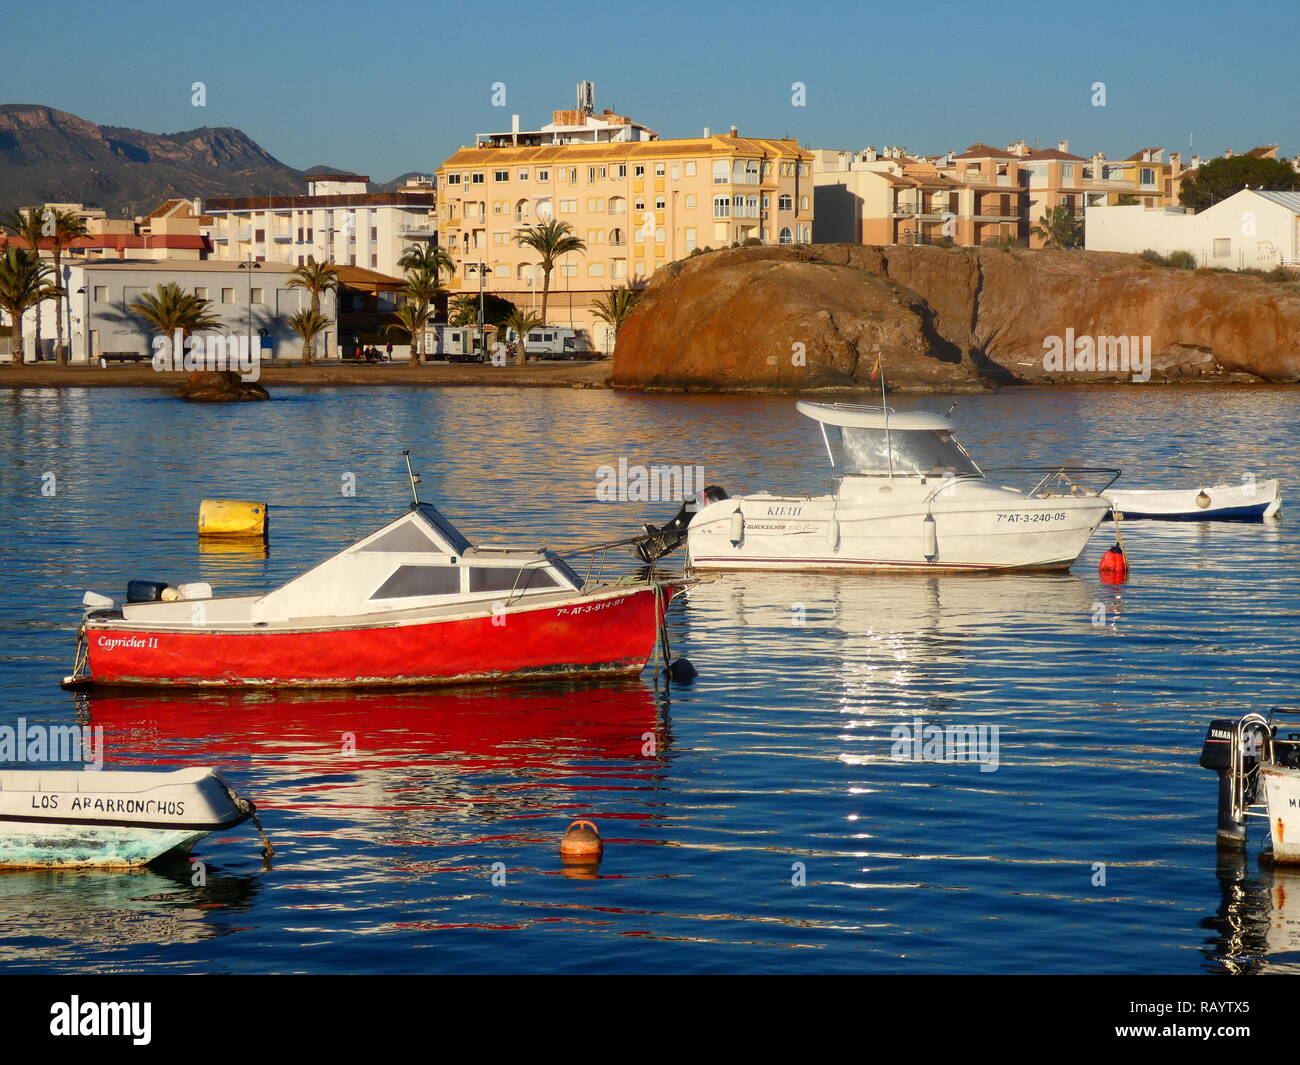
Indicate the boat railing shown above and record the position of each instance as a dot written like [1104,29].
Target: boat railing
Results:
[1064,480]
[599,556]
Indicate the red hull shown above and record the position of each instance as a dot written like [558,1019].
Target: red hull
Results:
[613,634]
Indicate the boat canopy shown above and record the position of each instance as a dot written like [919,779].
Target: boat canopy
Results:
[855,416]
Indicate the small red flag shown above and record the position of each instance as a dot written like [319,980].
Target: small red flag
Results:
[875,370]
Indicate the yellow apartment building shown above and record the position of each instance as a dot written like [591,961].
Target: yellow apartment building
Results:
[637,202]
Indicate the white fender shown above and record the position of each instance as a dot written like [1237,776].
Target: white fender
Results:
[930,538]
[737,527]
[833,533]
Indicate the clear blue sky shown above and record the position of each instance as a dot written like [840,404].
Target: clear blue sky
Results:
[389,87]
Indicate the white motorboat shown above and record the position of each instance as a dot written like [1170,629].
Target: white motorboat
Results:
[109,819]
[1248,501]
[1257,758]
[909,497]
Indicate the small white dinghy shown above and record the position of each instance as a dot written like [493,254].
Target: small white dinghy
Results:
[1249,501]
[109,819]
[1258,762]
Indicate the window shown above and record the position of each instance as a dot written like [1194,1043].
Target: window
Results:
[569,206]
[374,234]
[453,179]
[638,171]
[101,293]
[690,201]
[501,175]
[660,203]
[721,172]
[503,579]
[543,175]
[591,175]
[690,168]
[638,204]
[595,269]
[476,178]
[259,235]
[691,239]
[201,292]
[617,205]
[1148,176]
[522,175]
[803,203]
[621,170]
[786,202]
[255,295]
[659,169]
[786,236]
[500,238]
[410,582]
[721,206]
[1222,247]
[227,295]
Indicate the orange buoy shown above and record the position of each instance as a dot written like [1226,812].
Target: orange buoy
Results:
[1113,566]
[581,843]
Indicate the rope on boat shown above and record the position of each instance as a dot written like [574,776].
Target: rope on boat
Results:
[661,621]
[246,807]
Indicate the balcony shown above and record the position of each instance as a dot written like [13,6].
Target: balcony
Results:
[976,178]
[412,229]
[1106,183]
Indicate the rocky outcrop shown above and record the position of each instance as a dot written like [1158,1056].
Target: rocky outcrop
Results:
[219,386]
[959,319]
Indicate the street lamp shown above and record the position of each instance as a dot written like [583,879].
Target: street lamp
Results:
[250,266]
[481,270]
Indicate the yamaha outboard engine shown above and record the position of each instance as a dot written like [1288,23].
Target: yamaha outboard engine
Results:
[659,542]
[1234,749]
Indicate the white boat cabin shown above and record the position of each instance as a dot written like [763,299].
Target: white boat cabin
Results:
[417,563]
[875,442]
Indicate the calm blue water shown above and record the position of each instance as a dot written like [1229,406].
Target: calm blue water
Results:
[778,754]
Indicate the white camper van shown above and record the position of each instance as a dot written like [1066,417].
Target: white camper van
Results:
[552,341]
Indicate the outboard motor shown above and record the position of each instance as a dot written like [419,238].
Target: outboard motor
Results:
[659,542]
[1234,750]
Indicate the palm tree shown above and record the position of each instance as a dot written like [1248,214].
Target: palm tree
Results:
[316,278]
[427,259]
[521,323]
[1058,228]
[411,317]
[24,282]
[170,308]
[462,310]
[614,306]
[422,287]
[550,240]
[309,325]
[29,226]
[67,226]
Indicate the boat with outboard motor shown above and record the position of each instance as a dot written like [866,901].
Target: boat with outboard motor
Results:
[111,819]
[413,603]
[1257,759]
[909,497]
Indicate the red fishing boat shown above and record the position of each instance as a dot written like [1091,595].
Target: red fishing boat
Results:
[413,603]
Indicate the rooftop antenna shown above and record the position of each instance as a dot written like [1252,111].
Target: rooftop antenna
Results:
[414,478]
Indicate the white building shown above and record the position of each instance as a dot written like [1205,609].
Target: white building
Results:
[256,303]
[1249,230]
[337,221]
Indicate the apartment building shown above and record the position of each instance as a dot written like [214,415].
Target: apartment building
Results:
[173,230]
[637,202]
[339,221]
[890,197]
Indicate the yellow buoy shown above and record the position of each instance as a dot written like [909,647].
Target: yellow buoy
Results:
[232,517]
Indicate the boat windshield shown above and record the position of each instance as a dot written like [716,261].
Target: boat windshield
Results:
[927,452]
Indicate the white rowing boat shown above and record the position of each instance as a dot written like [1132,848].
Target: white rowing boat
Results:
[110,819]
[1249,501]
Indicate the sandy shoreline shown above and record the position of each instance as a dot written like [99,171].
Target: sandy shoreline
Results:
[326,375]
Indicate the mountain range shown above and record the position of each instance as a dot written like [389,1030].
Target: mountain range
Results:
[50,156]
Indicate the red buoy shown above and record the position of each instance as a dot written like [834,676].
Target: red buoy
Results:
[1113,566]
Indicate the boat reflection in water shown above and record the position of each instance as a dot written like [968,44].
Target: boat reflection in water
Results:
[402,769]
[1257,925]
[49,917]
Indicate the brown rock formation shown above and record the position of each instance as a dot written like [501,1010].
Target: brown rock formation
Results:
[810,319]
[219,386]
